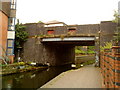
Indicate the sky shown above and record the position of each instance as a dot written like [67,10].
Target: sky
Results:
[68,11]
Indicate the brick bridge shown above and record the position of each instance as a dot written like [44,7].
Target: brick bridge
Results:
[56,44]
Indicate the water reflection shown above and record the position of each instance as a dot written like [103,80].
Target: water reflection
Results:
[34,79]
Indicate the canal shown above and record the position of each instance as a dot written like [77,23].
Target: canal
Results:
[34,79]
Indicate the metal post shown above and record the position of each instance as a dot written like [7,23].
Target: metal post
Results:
[99,47]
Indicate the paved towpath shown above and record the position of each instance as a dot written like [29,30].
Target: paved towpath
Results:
[85,77]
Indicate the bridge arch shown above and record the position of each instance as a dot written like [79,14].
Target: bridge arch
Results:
[61,51]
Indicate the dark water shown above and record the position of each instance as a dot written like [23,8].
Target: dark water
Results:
[34,79]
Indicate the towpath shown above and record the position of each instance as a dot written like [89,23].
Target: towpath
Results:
[85,77]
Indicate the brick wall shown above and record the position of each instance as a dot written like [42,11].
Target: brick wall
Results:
[0,39]
[107,29]
[80,29]
[5,7]
[3,31]
[110,67]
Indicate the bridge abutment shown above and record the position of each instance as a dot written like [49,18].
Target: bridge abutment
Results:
[53,54]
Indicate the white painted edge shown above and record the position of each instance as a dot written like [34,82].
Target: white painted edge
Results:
[70,39]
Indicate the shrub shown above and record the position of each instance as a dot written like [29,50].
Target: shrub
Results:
[108,45]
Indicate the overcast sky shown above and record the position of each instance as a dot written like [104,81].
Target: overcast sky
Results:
[68,11]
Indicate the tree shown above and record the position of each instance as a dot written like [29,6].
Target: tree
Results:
[116,16]
[117,37]
[108,45]
[40,22]
[20,35]
[117,31]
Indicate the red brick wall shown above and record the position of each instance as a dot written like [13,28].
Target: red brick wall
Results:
[0,31]
[3,29]
[110,68]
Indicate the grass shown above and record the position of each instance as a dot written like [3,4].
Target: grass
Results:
[85,63]
[77,51]
[89,62]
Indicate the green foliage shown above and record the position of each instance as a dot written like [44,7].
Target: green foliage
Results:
[20,35]
[117,31]
[89,62]
[79,51]
[40,22]
[15,68]
[117,36]
[108,45]
[78,47]
[21,63]
[116,15]
[91,47]
[90,50]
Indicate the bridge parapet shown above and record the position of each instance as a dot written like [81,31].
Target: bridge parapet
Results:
[63,35]
[73,29]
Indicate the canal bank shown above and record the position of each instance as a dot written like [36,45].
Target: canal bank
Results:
[85,77]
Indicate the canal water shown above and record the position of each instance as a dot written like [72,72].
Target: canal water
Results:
[34,79]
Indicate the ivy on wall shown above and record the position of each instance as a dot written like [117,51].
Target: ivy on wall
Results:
[20,35]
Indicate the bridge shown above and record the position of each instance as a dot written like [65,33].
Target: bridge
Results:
[56,44]
[61,50]
[74,40]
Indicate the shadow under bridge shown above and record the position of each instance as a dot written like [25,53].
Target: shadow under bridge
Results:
[61,51]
